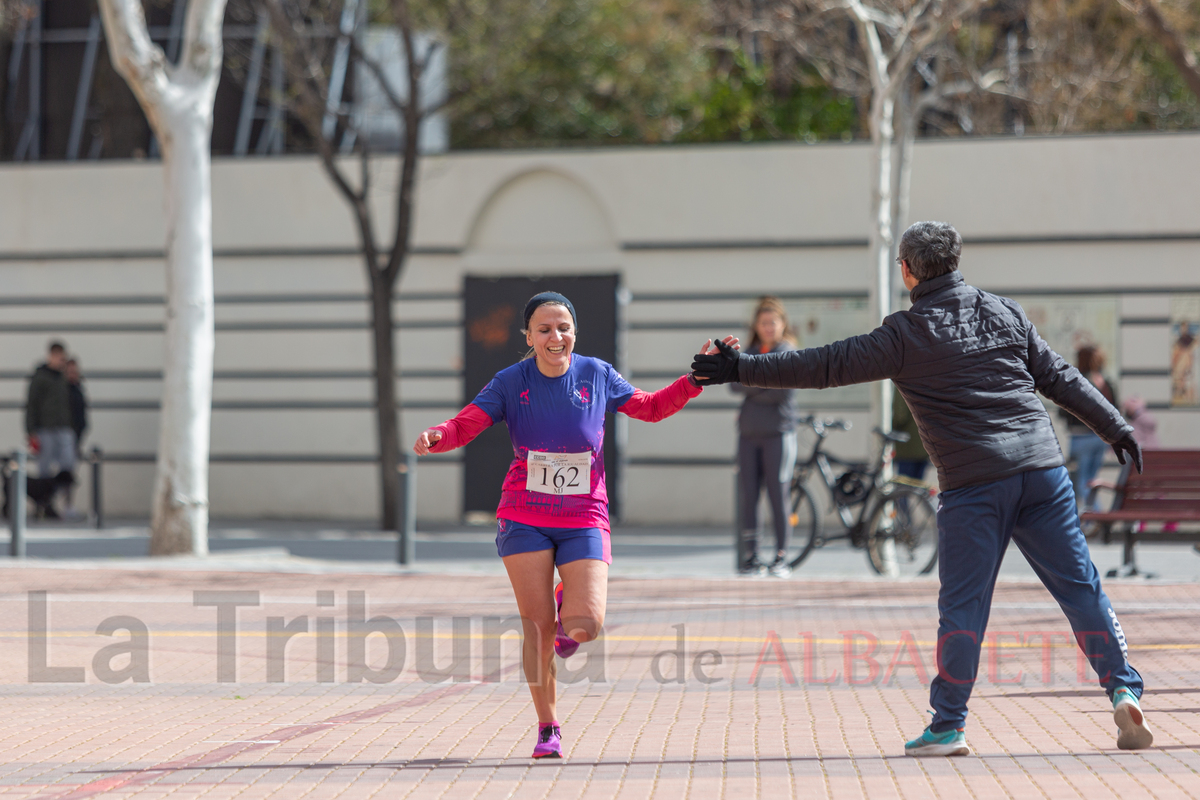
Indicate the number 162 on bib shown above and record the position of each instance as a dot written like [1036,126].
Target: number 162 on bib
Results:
[559,473]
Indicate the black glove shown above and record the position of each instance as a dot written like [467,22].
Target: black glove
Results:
[1128,444]
[721,367]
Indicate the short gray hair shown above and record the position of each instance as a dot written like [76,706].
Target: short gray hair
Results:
[931,249]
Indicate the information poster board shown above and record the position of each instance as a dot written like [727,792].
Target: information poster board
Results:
[1185,332]
[1069,322]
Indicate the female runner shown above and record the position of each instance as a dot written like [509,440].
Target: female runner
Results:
[553,505]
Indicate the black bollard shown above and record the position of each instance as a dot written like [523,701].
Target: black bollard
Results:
[97,460]
[16,544]
[738,559]
[407,512]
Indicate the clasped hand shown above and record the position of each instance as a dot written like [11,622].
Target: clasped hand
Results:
[719,364]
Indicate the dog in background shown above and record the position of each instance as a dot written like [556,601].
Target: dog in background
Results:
[41,491]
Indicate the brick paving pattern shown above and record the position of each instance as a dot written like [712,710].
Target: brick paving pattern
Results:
[786,688]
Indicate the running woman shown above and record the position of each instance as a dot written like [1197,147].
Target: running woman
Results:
[553,505]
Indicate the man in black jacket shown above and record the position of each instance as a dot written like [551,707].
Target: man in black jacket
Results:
[968,364]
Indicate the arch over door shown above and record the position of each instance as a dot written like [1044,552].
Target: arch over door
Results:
[544,221]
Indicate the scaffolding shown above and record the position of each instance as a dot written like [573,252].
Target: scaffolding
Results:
[33,45]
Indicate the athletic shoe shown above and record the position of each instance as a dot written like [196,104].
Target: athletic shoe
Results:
[564,645]
[780,567]
[950,743]
[549,743]
[752,566]
[1134,734]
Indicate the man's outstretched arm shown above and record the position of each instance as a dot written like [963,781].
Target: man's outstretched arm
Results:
[1067,387]
[859,359]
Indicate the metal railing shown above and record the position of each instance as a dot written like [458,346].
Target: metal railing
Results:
[406,522]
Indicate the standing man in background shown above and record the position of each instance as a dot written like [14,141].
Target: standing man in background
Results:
[78,400]
[48,421]
[79,424]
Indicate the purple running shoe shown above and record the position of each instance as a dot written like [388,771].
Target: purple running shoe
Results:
[564,645]
[549,743]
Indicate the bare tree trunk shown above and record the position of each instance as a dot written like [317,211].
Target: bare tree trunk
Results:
[179,522]
[387,425]
[907,116]
[178,102]
[882,190]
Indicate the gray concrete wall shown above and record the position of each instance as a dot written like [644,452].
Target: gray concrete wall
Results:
[1111,220]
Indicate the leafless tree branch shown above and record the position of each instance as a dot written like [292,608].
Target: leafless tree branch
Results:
[1150,15]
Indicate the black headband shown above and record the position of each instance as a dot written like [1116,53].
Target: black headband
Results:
[548,297]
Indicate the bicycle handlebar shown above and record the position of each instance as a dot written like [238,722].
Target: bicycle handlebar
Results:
[821,425]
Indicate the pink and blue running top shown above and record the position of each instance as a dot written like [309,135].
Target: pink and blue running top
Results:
[555,415]
[558,415]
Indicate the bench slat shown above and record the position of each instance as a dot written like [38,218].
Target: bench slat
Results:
[1140,516]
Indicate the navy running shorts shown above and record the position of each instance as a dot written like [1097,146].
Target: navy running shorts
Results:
[568,544]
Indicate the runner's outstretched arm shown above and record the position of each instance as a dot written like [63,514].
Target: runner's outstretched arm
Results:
[453,433]
[657,406]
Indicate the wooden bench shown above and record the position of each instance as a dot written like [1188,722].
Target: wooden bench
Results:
[1166,491]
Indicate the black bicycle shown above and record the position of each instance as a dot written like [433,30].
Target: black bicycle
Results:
[895,521]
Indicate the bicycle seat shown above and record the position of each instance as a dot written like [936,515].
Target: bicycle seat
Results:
[895,437]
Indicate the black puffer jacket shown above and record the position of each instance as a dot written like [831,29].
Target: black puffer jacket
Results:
[968,363]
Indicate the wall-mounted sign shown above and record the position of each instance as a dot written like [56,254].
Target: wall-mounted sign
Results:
[1185,332]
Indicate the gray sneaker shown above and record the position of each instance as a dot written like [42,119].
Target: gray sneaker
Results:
[1131,722]
[780,568]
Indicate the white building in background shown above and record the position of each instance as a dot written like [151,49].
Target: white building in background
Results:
[1098,236]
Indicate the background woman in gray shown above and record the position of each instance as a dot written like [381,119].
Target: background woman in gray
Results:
[766,442]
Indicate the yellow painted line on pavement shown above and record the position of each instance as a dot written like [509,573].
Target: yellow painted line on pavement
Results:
[660,639]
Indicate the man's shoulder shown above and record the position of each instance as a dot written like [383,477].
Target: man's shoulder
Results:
[966,296]
[1012,306]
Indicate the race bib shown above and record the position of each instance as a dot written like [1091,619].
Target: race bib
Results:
[559,473]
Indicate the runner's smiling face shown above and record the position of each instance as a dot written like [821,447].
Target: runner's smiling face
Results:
[551,334]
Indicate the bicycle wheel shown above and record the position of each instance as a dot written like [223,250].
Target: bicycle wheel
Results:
[806,525]
[902,536]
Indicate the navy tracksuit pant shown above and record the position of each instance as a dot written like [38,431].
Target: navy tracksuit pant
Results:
[1035,509]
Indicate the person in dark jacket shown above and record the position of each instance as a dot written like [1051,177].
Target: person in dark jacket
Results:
[79,403]
[1087,449]
[968,363]
[48,415]
[79,424]
[766,444]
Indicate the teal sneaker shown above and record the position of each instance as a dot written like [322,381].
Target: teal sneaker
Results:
[1131,723]
[950,743]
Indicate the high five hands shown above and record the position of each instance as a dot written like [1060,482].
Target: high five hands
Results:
[719,364]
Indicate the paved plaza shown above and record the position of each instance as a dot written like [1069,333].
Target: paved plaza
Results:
[236,681]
